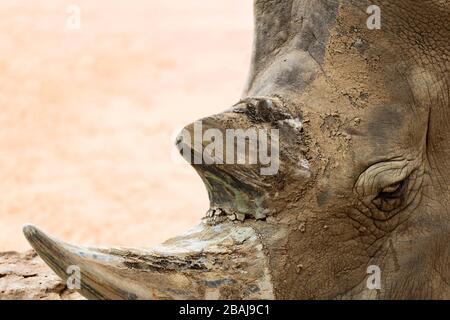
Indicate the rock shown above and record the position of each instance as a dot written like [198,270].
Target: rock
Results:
[25,276]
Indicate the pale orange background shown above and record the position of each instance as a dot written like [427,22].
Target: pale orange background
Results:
[87,117]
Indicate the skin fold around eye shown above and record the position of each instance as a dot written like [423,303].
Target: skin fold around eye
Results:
[383,177]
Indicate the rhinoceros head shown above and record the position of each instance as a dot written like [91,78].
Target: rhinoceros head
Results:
[333,164]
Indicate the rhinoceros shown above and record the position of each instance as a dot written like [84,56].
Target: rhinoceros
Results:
[358,203]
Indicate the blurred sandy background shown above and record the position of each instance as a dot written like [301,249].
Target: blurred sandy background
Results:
[87,116]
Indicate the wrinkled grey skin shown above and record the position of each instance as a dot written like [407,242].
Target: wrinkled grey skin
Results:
[374,107]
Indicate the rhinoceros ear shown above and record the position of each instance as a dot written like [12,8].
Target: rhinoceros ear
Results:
[285,24]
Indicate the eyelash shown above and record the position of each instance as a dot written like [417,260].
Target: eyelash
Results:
[388,201]
[398,191]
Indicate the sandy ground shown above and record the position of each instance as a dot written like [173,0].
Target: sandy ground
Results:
[87,116]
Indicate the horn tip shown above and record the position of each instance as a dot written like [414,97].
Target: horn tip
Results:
[37,238]
[30,231]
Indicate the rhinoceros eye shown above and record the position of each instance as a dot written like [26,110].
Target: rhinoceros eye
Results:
[393,190]
[386,188]
[391,196]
